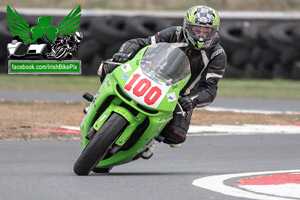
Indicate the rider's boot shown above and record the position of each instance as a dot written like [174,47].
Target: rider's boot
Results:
[175,145]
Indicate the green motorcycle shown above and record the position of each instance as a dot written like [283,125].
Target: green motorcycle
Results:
[131,108]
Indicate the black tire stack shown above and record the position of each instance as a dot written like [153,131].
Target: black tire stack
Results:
[107,33]
[262,49]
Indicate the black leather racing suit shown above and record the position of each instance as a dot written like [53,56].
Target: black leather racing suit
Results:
[207,67]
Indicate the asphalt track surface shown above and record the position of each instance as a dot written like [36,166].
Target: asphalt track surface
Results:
[43,169]
[245,104]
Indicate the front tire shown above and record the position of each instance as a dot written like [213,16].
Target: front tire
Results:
[102,170]
[98,146]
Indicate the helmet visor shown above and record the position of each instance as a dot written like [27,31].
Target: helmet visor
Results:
[201,32]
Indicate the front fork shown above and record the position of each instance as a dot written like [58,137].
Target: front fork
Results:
[134,122]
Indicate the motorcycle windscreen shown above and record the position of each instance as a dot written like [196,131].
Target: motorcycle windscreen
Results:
[165,64]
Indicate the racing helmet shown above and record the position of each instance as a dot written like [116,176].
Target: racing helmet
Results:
[200,26]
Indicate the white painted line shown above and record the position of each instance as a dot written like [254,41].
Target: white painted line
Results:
[216,184]
[75,128]
[219,109]
[245,129]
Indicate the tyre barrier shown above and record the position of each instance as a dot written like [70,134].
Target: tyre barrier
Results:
[141,26]
[255,48]
[6,37]
[232,36]
[261,49]
[2,16]
[108,30]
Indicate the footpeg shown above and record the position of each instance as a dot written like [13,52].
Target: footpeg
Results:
[85,110]
[147,154]
[88,96]
[90,134]
[159,138]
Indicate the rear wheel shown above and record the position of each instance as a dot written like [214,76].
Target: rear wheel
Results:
[100,144]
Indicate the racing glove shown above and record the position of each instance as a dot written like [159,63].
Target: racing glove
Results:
[187,103]
[120,57]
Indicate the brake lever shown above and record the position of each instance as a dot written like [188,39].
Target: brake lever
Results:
[182,111]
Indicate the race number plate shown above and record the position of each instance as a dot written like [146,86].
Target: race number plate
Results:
[144,90]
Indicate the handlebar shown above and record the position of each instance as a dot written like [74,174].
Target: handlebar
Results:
[111,63]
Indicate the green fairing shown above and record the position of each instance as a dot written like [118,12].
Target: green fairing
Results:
[156,121]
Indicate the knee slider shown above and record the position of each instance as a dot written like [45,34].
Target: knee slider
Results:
[179,134]
[174,135]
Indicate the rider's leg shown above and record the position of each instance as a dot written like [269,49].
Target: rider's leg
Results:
[176,130]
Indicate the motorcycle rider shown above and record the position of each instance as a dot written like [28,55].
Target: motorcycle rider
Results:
[199,39]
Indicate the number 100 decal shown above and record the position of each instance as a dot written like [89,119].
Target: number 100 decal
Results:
[145,91]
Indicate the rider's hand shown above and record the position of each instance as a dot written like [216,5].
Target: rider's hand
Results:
[186,103]
[120,57]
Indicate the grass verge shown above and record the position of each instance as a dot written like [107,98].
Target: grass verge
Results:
[230,88]
[266,89]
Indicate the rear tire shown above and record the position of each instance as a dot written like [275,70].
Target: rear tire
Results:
[98,146]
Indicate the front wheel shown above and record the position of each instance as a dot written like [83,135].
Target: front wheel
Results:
[99,145]
[102,170]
